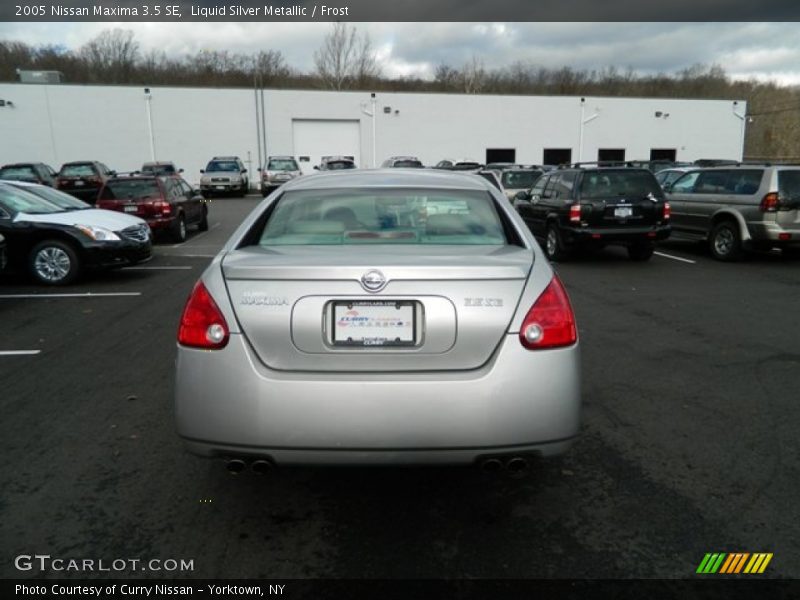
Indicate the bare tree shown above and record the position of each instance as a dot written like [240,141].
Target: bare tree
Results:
[344,60]
[473,76]
[113,52]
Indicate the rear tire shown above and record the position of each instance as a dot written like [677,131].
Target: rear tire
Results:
[725,242]
[641,251]
[53,262]
[178,231]
[554,246]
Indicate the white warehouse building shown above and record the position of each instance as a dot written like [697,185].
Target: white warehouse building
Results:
[123,126]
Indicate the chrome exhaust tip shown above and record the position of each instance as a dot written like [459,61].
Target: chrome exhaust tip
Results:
[261,467]
[235,466]
[517,465]
[491,465]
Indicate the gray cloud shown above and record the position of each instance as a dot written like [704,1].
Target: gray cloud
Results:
[759,50]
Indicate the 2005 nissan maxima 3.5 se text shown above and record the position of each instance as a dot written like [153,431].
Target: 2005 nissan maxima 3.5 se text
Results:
[379,317]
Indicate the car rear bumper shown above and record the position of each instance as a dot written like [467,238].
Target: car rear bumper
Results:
[774,234]
[161,223]
[228,404]
[621,235]
[87,194]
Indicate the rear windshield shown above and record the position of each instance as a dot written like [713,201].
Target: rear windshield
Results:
[339,164]
[223,165]
[610,183]
[407,164]
[352,217]
[789,184]
[282,165]
[130,188]
[159,169]
[520,179]
[19,173]
[85,170]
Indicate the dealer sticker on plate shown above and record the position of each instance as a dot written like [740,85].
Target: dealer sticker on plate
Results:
[374,323]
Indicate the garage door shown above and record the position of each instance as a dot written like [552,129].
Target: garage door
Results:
[315,138]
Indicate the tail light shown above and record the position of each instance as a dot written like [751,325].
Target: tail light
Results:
[667,211]
[202,324]
[769,203]
[163,207]
[550,323]
[575,213]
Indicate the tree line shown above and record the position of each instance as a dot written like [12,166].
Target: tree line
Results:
[346,60]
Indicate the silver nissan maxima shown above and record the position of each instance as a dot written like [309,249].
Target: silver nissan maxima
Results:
[379,317]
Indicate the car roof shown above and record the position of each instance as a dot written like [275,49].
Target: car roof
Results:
[157,163]
[388,178]
[20,164]
[280,157]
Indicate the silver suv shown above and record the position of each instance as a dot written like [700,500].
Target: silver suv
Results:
[224,174]
[280,169]
[738,208]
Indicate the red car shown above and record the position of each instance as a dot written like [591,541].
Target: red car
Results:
[167,203]
[83,179]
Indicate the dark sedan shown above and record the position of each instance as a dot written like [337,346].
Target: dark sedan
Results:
[55,245]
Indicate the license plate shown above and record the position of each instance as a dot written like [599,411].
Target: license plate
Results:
[131,209]
[79,183]
[623,211]
[374,323]
[220,187]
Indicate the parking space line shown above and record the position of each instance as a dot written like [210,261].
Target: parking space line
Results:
[19,352]
[686,260]
[157,268]
[84,295]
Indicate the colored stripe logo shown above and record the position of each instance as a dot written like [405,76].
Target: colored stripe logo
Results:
[734,563]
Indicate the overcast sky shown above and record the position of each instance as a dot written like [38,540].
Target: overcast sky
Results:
[766,51]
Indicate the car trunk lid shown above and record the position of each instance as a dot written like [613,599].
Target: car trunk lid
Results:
[440,308]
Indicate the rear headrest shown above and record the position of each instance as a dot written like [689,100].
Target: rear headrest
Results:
[448,225]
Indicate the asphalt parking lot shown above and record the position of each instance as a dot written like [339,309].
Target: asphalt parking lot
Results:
[689,444]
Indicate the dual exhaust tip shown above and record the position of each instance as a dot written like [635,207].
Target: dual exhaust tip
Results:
[515,465]
[235,466]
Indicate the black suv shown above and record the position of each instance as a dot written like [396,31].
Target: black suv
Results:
[592,205]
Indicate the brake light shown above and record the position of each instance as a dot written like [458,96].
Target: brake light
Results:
[163,207]
[667,211]
[550,323]
[769,203]
[202,324]
[575,213]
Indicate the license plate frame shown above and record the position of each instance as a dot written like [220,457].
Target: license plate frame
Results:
[130,208]
[623,212]
[379,321]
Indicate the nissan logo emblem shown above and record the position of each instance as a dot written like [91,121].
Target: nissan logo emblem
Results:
[373,281]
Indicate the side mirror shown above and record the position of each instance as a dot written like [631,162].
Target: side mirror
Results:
[202,170]
[180,170]
[667,187]
[523,195]
[244,170]
[316,168]
[112,173]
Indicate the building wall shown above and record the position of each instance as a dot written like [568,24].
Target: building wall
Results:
[59,123]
